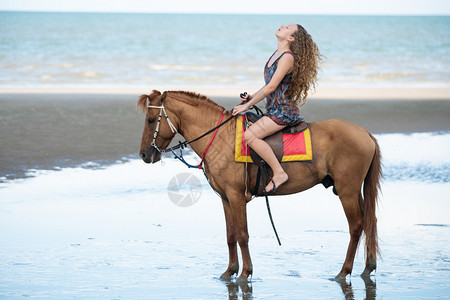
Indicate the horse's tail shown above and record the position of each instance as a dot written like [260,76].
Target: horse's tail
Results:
[370,192]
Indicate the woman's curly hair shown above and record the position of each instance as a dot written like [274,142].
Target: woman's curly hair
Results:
[306,64]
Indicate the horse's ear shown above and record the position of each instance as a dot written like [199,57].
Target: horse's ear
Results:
[154,94]
[144,100]
[163,97]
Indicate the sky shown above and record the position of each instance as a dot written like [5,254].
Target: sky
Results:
[339,7]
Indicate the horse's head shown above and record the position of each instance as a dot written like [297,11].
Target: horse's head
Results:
[158,129]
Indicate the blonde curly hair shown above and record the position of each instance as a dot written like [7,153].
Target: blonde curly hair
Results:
[306,64]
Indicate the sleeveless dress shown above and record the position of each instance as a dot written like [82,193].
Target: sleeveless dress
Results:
[280,108]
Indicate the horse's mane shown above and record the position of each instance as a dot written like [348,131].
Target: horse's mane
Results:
[203,100]
[185,96]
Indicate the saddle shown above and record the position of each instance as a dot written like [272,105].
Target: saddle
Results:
[275,140]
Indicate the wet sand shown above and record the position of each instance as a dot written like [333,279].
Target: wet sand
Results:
[51,130]
[114,233]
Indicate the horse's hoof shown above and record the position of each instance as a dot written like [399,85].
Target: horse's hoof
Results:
[242,279]
[338,278]
[232,269]
[226,276]
[366,273]
[370,266]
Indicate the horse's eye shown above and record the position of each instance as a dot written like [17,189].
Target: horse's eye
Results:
[150,120]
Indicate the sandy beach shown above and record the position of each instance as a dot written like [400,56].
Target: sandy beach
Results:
[48,128]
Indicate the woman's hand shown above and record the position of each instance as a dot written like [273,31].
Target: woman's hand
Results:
[245,97]
[240,108]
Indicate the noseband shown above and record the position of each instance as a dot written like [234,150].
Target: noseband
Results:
[172,127]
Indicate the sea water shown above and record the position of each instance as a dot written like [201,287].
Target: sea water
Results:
[115,232]
[189,50]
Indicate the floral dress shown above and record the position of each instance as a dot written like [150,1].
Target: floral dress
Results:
[280,108]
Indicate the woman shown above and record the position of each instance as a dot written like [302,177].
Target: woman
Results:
[289,74]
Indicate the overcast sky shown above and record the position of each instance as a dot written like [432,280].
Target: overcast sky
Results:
[377,7]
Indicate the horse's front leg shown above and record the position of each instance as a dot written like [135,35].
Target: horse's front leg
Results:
[233,263]
[239,211]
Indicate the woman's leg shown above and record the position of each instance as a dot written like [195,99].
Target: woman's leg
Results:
[254,135]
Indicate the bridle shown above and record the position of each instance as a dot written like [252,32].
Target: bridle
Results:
[171,126]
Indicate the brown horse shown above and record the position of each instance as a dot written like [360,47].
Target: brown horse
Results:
[343,152]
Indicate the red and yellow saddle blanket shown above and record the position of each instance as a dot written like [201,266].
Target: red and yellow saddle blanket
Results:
[296,147]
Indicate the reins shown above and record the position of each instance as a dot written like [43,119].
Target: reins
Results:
[184,144]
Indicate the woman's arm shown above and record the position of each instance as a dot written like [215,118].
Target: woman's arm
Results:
[285,65]
[249,97]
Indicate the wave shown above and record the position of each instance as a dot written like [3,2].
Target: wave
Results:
[422,157]
[181,67]
[415,148]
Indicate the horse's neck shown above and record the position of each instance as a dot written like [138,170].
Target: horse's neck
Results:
[195,121]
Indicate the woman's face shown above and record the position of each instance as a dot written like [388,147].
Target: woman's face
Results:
[286,31]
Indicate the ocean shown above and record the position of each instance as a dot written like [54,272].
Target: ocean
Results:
[188,50]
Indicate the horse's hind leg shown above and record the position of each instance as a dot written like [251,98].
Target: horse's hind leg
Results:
[353,213]
[233,263]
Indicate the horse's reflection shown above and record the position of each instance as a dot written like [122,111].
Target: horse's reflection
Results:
[347,289]
[245,287]
[371,288]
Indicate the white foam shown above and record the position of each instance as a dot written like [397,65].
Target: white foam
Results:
[415,148]
[116,180]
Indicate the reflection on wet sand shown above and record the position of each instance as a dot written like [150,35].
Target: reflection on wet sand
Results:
[371,288]
[246,289]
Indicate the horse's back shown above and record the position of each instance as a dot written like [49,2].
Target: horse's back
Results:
[337,131]
[336,124]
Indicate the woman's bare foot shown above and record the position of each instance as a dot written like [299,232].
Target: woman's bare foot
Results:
[279,179]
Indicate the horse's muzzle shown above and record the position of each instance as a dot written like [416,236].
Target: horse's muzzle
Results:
[150,156]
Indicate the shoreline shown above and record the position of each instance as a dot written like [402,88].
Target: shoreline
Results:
[328,93]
